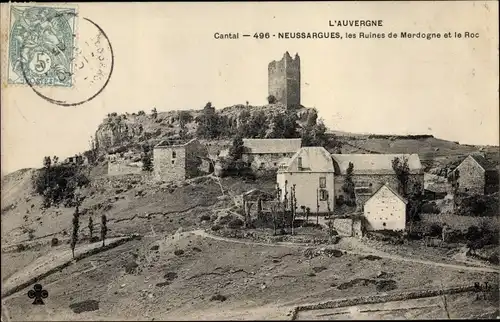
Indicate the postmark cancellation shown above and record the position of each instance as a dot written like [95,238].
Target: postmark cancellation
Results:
[41,45]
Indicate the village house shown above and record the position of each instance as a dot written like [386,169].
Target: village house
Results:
[177,160]
[371,171]
[78,159]
[267,154]
[311,170]
[385,210]
[475,173]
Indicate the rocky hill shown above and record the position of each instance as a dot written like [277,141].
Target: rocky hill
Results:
[121,131]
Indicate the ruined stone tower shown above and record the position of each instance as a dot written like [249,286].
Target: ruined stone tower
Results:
[284,80]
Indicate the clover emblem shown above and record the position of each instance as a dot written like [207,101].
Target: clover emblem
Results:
[38,293]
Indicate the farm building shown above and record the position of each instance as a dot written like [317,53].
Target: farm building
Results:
[175,160]
[385,210]
[267,154]
[475,173]
[372,171]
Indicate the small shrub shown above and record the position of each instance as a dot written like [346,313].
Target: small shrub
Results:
[205,217]
[386,285]
[473,233]
[178,252]
[54,242]
[430,208]
[215,227]
[155,247]
[493,259]
[218,297]
[21,248]
[318,269]
[131,267]
[235,223]
[170,276]
[196,249]
[435,230]
[371,257]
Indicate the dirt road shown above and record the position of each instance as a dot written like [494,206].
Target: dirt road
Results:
[368,251]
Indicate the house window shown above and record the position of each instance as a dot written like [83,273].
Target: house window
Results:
[274,163]
[174,155]
[262,165]
[299,162]
[322,182]
[284,154]
[384,224]
[323,195]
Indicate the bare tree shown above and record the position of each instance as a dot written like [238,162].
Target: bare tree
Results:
[91,228]
[453,179]
[104,229]
[317,206]
[274,213]
[247,214]
[293,206]
[76,226]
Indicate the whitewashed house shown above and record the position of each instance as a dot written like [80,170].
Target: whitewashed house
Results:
[311,170]
[385,210]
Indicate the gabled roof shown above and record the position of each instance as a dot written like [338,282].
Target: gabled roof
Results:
[311,158]
[262,146]
[374,163]
[391,190]
[482,161]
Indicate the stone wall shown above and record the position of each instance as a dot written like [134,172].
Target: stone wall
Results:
[122,167]
[343,226]
[471,177]
[381,298]
[169,163]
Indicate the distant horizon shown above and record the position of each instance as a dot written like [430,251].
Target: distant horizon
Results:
[329,131]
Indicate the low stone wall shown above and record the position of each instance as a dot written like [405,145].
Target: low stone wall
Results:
[372,299]
[122,167]
[343,226]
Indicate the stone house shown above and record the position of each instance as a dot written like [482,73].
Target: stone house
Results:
[267,154]
[372,171]
[77,159]
[177,160]
[311,170]
[385,210]
[474,174]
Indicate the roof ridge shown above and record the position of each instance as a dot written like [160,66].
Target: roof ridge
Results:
[391,190]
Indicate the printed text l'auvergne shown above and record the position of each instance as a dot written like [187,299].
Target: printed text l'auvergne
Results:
[355,23]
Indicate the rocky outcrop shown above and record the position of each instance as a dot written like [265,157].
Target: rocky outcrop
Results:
[125,131]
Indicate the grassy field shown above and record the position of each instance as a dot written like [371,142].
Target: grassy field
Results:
[176,276]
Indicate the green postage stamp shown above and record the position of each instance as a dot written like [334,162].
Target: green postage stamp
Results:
[41,46]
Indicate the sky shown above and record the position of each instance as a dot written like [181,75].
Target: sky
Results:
[165,56]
